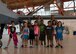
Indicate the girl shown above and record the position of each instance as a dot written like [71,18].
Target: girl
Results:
[25,35]
[12,35]
[36,33]
[54,24]
[49,31]
[31,35]
[59,34]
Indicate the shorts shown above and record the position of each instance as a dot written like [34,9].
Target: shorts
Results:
[49,37]
[36,34]
[59,37]
[31,36]
[25,36]
[54,34]
[42,37]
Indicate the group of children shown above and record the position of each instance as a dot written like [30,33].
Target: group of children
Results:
[37,34]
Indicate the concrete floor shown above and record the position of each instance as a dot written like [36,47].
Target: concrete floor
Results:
[69,44]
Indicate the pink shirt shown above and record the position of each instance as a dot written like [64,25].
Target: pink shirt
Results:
[36,30]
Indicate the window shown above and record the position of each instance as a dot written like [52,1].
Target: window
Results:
[69,5]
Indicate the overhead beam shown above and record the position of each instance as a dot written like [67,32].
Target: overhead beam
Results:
[74,5]
[58,4]
[31,13]
[28,3]
[21,5]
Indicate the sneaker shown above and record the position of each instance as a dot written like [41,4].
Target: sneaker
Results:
[22,46]
[57,46]
[61,46]
[0,45]
[6,48]
[25,46]
[15,47]
[47,46]
[31,46]
[51,46]
[36,46]
[44,45]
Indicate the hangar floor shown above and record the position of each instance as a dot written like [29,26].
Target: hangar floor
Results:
[69,44]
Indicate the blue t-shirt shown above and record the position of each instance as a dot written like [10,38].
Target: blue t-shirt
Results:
[59,30]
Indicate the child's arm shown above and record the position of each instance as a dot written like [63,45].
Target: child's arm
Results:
[45,29]
[39,31]
[56,30]
[63,28]
[22,30]
[15,29]
[10,30]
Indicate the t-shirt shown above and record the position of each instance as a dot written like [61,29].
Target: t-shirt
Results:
[49,30]
[59,30]
[12,29]
[26,31]
[42,28]
[36,30]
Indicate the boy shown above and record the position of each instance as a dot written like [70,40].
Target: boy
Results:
[42,33]
[49,30]
[12,35]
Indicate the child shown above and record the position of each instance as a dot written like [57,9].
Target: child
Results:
[54,22]
[54,26]
[49,31]
[36,33]
[42,33]
[25,34]
[12,35]
[59,34]
[1,33]
[31,35]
